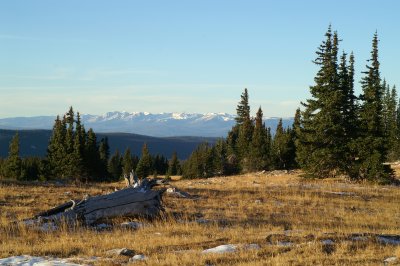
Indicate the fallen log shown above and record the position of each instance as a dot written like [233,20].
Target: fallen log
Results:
[133,202]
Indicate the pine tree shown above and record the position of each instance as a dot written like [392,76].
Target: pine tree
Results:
[104,154]
[13,161]
[173,167]
[92,157]
[390,121]
[320,149]
[259,150]
[245,131]
[220,160]
[280,147]
[115,166]
[127,163]
[144,167]
[56,151]
[372,149]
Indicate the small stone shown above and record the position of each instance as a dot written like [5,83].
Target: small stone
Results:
[137,258]
[327,242]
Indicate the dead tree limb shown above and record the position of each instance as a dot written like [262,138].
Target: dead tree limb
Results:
[134,202]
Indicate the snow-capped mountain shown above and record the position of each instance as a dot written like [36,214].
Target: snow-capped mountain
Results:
[159,125]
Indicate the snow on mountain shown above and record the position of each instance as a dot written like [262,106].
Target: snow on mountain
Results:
[159,125]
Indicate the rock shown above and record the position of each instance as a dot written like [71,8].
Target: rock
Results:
[120,251]
[132,225]
[137,258]
[221,249]
[327,242]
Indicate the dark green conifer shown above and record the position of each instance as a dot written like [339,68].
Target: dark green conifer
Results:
[144,167]
[13,161]
[259,151]
[372,148]
[173,166]
[320,149]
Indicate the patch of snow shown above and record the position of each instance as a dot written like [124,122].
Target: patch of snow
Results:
[221,249]
[26,260]
[138,257]
[390,260]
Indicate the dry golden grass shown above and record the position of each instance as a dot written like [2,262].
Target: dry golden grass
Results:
[244,209]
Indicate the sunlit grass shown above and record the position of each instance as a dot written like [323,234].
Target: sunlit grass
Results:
[244,209]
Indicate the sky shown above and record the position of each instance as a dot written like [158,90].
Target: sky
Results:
[179,56]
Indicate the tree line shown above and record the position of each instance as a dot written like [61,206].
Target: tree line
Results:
[335,133]
[76,154]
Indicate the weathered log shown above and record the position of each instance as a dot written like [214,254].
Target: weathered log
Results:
[140,201]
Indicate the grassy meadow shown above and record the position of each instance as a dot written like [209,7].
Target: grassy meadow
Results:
[293,220]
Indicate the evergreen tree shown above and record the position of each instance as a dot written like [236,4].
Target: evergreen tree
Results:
[104,154]
[92,157]
[115,166]
[390,121]
[243,108]
[144,167]
[220,160]
[372,149]
[245,131]
[13,162]
[127,163]
[174,166]
[280,147]
[320,149]
[56,151]
[259,151]
[200,163]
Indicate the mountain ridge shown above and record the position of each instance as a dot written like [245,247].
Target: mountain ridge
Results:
[145,123]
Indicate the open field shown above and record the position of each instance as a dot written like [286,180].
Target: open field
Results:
[293,222]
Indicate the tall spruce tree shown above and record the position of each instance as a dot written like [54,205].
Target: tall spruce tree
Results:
[372,147]
[115,166]
[173,166]
[127,162]
[390,121]
[245,131]
[281,149]
[13,161]
[320,149]
[56,150]
[259,151]
[144,167]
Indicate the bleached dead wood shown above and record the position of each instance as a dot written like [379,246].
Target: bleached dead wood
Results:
[140,201]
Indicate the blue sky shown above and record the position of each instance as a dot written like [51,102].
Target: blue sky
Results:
[178,56]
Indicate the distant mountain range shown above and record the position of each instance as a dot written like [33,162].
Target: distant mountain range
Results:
[143,123]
